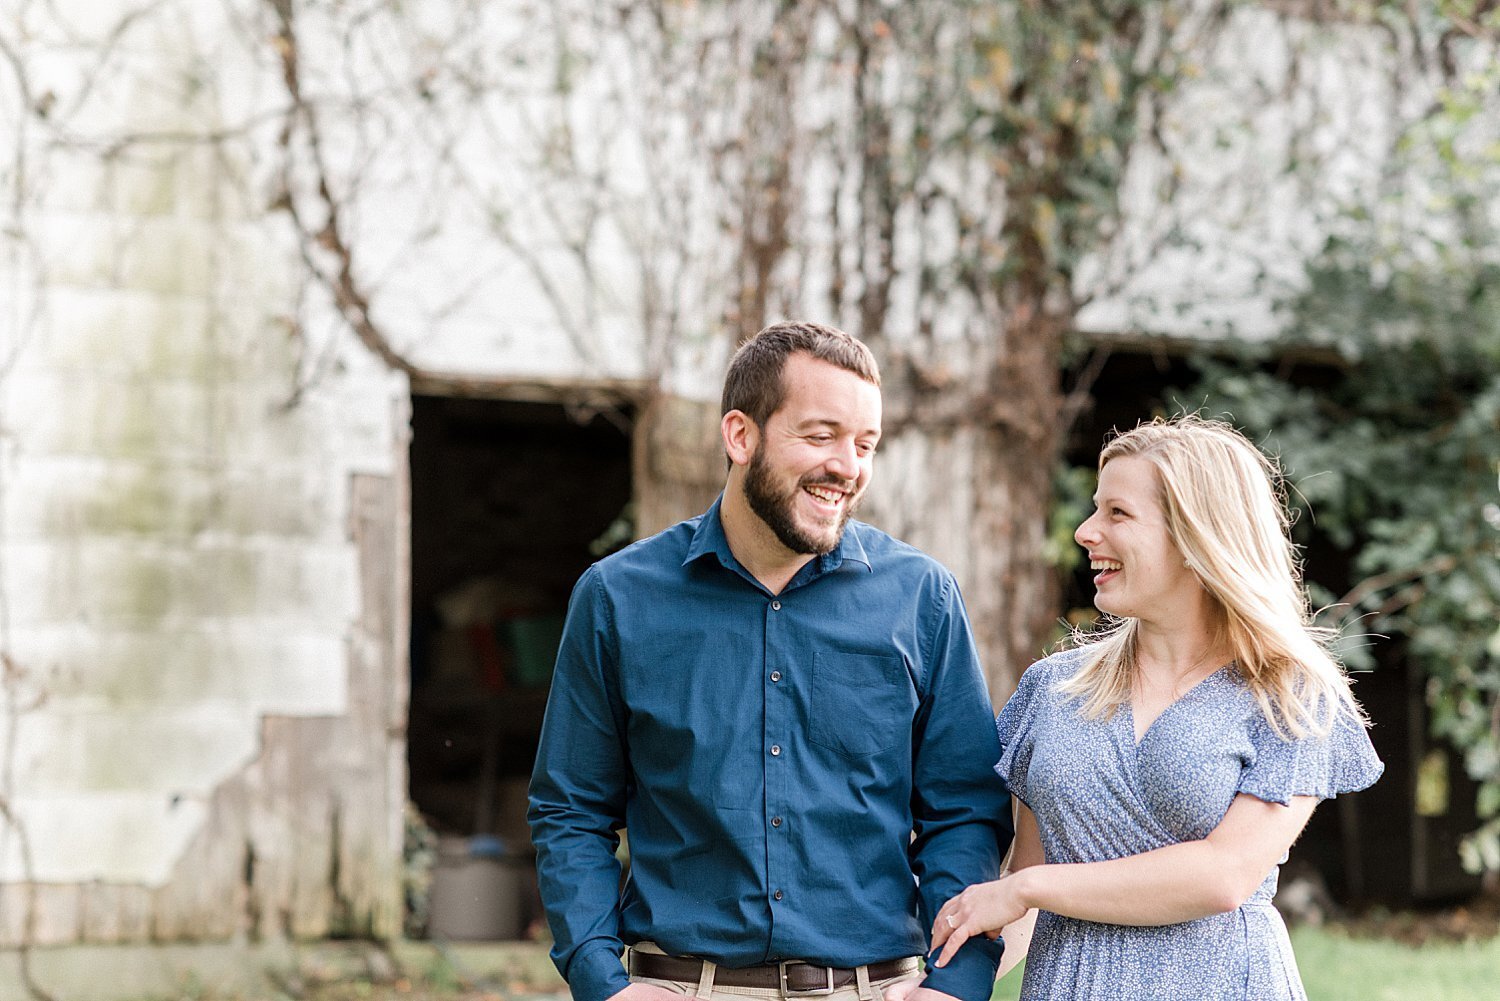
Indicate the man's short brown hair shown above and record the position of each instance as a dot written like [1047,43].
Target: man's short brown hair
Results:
[754,385]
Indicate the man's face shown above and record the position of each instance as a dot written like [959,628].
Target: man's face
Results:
[813,459]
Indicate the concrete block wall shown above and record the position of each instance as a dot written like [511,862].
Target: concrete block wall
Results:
[202,482]
[176,564]
[176,558]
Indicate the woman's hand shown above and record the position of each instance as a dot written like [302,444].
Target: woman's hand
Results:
[982,909]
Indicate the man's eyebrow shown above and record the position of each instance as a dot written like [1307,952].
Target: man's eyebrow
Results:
[831,422]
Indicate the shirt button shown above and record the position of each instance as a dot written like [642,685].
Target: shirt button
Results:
[775,606]
[775,750]
[775,821]
[776,895]
[775,675]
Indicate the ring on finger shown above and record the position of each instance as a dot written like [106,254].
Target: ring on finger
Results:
[951,922]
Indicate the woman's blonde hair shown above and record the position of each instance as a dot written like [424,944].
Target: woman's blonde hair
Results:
[1225,510]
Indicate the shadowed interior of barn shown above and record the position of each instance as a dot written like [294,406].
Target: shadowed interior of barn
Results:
[511,501]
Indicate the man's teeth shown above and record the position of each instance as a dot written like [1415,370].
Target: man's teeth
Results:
[1105,565]
[827,496]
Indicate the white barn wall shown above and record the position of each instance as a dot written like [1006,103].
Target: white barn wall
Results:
[1245,223]
[176,559]
[202,473]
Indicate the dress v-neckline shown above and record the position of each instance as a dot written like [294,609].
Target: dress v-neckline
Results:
[1136,742]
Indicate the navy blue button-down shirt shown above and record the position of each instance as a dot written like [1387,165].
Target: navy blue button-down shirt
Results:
[804,775]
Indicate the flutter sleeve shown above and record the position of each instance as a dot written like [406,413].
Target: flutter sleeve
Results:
[1016,723]
[1323,766]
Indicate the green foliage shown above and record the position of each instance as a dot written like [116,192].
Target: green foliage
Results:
[1072,501]
[1059,95]
[1397,461]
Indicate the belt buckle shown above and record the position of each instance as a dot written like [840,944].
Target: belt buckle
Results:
[814,992]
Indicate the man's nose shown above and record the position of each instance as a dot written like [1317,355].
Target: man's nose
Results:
[844,462]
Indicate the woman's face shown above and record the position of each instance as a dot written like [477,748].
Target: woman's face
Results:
[1139,572]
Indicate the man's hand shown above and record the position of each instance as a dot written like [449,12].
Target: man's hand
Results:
[645,992]
[912,990]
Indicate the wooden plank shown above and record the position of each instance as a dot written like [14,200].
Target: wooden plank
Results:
[116,912]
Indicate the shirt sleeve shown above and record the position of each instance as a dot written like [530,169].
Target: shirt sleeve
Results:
[1014,726]
[577,804]
[1323,766]
[960,807]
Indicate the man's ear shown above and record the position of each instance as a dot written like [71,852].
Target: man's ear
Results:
[741,435]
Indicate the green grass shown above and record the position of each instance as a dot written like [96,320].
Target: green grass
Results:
[1009,988]
[1336,967]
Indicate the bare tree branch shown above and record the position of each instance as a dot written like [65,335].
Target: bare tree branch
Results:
[1368,588]
[339,279]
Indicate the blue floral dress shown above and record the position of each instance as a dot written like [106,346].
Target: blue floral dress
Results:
[1098,795]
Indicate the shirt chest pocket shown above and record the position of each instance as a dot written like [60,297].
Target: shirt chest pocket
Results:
[861,704]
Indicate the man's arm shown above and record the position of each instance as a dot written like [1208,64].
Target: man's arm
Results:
[578,800]
[960,808]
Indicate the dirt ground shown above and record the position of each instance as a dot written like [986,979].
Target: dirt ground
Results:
[432,972]
[403,989]
[1475,920]
[427,971]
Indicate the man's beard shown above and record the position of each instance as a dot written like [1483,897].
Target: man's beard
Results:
[776,509]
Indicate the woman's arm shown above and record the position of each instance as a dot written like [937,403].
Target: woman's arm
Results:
[1017,942]
[1025,852]
[1177,883]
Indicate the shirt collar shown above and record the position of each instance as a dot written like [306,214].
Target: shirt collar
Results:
[709,538]
[851,548]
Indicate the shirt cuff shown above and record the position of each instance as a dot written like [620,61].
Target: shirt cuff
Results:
[596,973]
[970,974]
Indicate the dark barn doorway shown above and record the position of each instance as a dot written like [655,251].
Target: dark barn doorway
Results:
[510,503]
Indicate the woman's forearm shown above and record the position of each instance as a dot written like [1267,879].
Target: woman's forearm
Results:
[1165,886]
[1177,883]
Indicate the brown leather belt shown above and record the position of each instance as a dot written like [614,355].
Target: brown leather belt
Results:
[790,977]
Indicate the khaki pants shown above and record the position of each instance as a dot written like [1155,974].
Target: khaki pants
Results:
[863,989]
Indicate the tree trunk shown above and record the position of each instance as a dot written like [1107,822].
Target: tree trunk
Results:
[965,474]
[678,464]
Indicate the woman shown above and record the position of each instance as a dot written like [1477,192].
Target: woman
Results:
[1164,767]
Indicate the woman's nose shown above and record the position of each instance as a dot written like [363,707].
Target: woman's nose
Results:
[1085,533]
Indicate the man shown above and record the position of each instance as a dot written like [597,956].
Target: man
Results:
[784,707]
